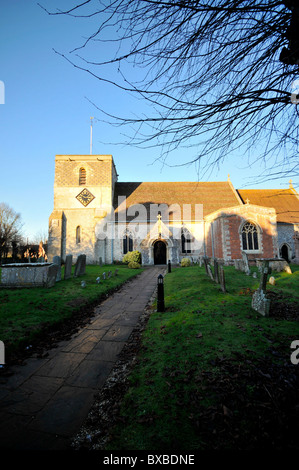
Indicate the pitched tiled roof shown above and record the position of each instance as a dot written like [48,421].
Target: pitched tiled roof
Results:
[284,201]
[212,195]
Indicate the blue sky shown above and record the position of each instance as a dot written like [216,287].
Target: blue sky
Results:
[47,112]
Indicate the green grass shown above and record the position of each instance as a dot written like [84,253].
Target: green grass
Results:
[25,312]
[200,327]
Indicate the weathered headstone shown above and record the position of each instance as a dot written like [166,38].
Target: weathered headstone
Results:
[205,260]
[57,261]
[68,266]
[83,265]
[104,276]
[272,280]
[245,263]
[80,266]
[260,302]
[52,275]
[83,284]
[210,271]
[98,279]
[216,271]
[109,274]
[222,278]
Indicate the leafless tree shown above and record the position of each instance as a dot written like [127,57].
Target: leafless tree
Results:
[218,75]
[10,228]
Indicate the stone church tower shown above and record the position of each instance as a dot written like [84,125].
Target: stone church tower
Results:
[83,194]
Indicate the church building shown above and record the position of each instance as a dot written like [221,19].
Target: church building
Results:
[99,216]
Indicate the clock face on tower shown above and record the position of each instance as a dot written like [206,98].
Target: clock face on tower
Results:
[85,197]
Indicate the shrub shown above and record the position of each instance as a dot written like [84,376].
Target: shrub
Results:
[132,256]
[185,262]
[133,265]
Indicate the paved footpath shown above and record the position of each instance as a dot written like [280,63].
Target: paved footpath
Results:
[45,401]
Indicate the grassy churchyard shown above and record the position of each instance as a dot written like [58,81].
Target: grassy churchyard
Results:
[26,315]
[211,372]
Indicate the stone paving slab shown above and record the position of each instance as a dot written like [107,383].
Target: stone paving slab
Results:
[45,401]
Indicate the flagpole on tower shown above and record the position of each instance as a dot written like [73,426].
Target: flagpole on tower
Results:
[91,135]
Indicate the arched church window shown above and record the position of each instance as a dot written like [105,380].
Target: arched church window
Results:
[82,177]
[78,234]
[127,244]
[250,237]
[186,242]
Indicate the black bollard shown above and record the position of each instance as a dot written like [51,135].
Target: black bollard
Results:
[160,299]
[169,266]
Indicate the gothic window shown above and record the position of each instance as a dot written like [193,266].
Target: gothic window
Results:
[127,244]
[82,177]
[78,234]
[250,237]
[186,243]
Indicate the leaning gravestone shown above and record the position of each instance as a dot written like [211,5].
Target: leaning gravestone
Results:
[52,275]
[68,266]
[80,267]
[210,271]
[205,260]
[260,303]
[57,261]
[245,263]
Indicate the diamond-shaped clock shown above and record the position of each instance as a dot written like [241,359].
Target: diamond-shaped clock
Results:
[85,197]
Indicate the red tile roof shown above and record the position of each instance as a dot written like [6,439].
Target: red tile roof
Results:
[284,201]
[212,195]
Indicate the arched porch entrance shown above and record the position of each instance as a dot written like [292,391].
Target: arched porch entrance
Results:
[159,252]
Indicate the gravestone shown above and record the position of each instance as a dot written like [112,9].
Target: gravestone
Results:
[210,271]
[272,281]
[205,260]
[222,278]
[216,271]
[68,266]
[116,272]
[245,262]
[80,266]
[109,274]
[57,261]
[83,265]
[52,275]
[104,276]
[260,303]
[98,280]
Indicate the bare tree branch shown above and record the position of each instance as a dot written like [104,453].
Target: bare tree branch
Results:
[216,74]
